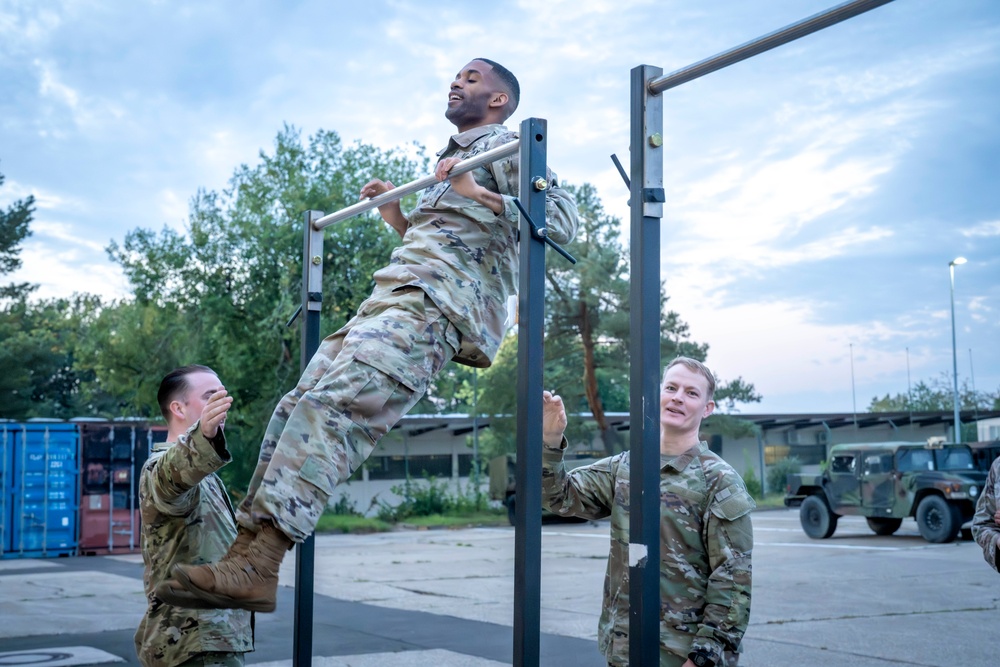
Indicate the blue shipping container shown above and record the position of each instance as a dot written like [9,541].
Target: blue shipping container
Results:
[45,493]
[6,483]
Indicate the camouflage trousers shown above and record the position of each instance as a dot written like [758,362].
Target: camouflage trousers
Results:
[360,382]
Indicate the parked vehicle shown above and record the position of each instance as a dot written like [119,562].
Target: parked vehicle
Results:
[984,453]
[936,483]
[502,481]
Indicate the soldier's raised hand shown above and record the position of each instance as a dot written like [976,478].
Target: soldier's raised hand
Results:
[553,419]
[213,416]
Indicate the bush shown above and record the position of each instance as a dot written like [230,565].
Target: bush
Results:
[777,474]
[343,507]
[752,483]
[418,500]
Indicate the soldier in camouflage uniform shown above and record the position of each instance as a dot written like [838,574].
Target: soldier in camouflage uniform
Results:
[443,296]
[706,537]
[187,518]
[986,522]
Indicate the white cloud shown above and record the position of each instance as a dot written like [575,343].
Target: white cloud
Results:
[60,270]
[983,229]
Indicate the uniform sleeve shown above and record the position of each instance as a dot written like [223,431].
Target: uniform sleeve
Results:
[586,492]
[172,476]
[984,527]
[561,216]
[729,541]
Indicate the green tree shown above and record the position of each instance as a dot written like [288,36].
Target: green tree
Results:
[39,371]
[220,293]
[936,394]
[14,229]
[587,337]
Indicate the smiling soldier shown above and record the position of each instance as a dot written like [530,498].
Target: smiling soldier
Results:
[706,537]
[442,296]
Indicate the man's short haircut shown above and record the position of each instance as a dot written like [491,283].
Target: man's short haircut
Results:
[175,384]
[509,81]
[694,366]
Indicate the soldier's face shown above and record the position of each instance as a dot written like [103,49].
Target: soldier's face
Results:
[684,400]
[470,95]
[201,386]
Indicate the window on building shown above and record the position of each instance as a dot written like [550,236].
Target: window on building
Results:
[396,467]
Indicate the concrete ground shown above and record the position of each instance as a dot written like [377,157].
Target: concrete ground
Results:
[445,598]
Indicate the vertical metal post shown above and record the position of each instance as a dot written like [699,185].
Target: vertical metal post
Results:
[111,490]
[530,368]
[646,202]
[954,352]
[305,556]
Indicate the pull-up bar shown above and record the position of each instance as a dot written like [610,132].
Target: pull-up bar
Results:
[767,42]
[487,157]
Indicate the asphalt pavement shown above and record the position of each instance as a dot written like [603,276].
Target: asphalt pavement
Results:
[444,598]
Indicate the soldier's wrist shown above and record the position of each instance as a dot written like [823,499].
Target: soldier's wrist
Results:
[553,441]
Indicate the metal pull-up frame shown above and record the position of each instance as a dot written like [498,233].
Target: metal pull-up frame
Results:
[646,203]
[531,147]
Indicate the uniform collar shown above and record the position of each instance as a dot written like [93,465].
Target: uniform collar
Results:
[162,446]
[682,461]
[469,137]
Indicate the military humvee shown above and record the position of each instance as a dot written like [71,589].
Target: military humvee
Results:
[934,482]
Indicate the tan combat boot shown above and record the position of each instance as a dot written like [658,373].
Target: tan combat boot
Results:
[240,581]
[172,592]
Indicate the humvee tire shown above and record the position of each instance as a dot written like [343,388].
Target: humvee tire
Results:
[881,525]
[818,521]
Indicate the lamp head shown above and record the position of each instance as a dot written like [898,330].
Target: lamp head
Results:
[957,261]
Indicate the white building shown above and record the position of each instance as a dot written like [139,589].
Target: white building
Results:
[442,446]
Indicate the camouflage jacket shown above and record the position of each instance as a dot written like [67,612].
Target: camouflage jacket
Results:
[186,518]
[706,540]
[463,255]
[984,526]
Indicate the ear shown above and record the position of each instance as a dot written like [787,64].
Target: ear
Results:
[177,410]
[499,100]
[709,409]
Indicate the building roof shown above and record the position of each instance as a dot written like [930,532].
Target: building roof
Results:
[461,424]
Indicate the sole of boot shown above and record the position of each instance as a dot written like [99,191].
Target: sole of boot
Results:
[216,601]
[173,593]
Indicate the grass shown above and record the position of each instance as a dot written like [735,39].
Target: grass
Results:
[771,501]
[349,523]
[353,524]
[485,518]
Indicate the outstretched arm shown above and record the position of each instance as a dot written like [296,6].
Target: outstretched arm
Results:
[198,453]
[390,212]
[586,492]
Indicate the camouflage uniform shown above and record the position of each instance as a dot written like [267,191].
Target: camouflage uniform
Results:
[706,541]
[984,526]
[187,518]
[443,296]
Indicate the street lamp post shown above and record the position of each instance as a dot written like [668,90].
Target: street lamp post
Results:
[954,347]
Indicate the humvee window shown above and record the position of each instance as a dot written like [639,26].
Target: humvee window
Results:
[842,464]
[877,463]
[954,458]
[915,459]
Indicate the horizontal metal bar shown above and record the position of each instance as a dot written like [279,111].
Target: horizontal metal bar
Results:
[766,43]
[473,162]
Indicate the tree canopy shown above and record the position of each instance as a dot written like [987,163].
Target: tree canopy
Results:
[587,337]
[220,290]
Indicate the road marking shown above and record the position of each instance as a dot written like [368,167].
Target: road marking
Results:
[64,656]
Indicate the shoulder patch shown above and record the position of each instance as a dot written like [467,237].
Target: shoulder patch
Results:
[732,502]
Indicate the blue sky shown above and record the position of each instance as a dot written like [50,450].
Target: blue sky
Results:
[815,194]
